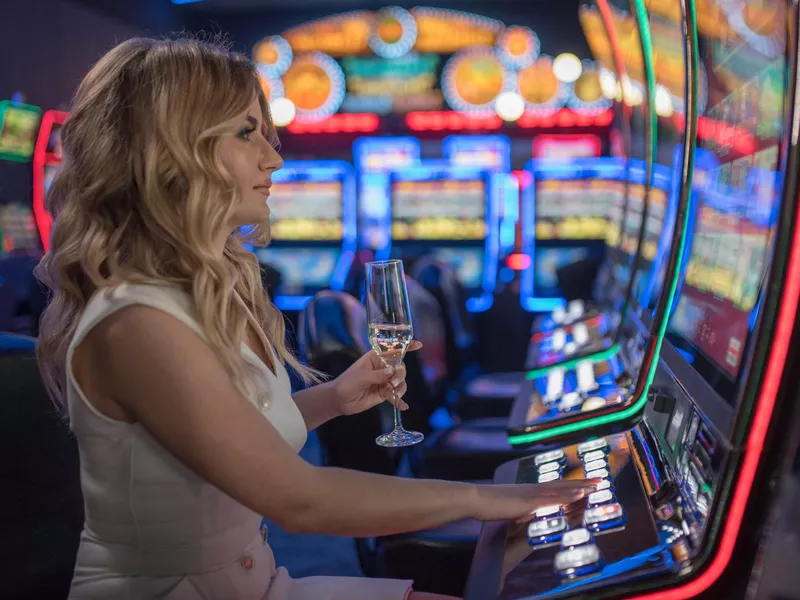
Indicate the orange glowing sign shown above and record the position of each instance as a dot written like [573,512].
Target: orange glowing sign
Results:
[307,84]
[587,88]
[447,31]
[538,84]
[390,29]
[340,35]
[479,79]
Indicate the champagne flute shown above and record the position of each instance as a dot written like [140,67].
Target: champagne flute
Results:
[390,332]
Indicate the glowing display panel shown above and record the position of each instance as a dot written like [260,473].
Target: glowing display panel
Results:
[439,210]
[306,211]
[738,205]
[573,209]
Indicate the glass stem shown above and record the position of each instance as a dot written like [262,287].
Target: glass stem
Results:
[398,424]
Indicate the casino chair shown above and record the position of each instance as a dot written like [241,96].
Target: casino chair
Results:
[333,334]
[41,502]
[478,395]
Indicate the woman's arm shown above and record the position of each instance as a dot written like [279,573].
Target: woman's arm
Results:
[318,404]
[163,374]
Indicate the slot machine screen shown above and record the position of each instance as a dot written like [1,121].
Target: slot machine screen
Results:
[547,262]
[440,209]
[306,211]
[18,232]
[738,205]
[573,209]
[18,128]
[301,268]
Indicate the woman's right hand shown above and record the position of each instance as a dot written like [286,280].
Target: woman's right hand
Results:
[518,502]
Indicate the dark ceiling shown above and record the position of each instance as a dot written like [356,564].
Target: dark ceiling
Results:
[247,21]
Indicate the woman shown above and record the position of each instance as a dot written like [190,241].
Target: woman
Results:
[161,345]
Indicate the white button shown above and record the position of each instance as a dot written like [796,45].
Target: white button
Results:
[597,444]
[559,339]
[548,511]
[569,401]
[576,537]
[546,457]
[594,465]
[597,474]
[576,308]
[568,561]
[603,485]
[558,315]
[551,476]
[570,348]
[602,514]
[600,497]
[593,456]
[555,383]
[580,333]
[548,527]
[548,467]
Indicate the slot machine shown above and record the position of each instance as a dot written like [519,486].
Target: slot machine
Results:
[685,496]
[450,213]
[313,229]
[374,158]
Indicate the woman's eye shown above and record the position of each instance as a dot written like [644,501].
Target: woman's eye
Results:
[246,133]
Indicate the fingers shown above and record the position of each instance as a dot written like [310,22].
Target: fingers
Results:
[414,346]
[395,395]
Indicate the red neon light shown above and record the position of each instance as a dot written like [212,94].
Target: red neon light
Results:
[543,144]
[42,157]
[341,123]
[758,433]
[450,121]
[566,119]
[524,178]
[728,136]
[518,262]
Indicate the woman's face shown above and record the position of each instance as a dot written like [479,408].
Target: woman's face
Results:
[251,160]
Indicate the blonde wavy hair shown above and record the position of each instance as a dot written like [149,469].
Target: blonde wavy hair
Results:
[142,195]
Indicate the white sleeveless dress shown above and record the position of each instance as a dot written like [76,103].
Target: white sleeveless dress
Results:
[153,528]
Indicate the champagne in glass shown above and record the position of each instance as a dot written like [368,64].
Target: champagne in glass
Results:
[390,332]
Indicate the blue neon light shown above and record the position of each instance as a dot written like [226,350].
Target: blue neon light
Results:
[459,148]
[186,1]
[321,171]
[544,169]
[434,170]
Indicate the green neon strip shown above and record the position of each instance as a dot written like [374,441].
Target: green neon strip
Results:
[639,404]
[596,358]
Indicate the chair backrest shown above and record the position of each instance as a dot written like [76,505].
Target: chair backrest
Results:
[41,506]
[429,328]
[22,297]
[441,281]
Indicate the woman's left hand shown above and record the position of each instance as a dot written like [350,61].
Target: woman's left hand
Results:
[368,382]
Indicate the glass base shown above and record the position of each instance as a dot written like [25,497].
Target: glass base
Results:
[399,438]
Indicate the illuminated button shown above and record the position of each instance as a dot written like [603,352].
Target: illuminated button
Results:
[575,309]
[580,333]
[549,467]
[552,456]
[604,485]
[593,403]
[551,476]
[546,528]
[555,383]
[577,560]
[559,339]
[597,474]
[601,497]
[547,512]
[593,456]
[606,514]
[569,401]
[586,447]
[570,348]
[584,371]
[595,465]
[576,537]
[558,315]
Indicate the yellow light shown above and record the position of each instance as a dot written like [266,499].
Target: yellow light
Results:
[631,92]
[509,106]
[664,106]
[567,67]
[283,111]
[609,84]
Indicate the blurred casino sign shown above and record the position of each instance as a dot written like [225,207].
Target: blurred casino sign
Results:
[420,65]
